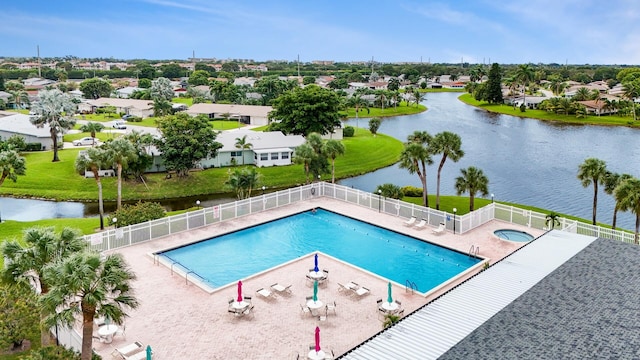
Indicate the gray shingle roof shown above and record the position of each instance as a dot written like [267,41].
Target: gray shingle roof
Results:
[588,308]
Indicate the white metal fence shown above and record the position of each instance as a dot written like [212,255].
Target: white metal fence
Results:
[133,234]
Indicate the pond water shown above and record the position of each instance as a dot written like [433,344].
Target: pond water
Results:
[527,161]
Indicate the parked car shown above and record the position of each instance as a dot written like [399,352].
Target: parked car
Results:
[120,124]
[85,141]
[126,117]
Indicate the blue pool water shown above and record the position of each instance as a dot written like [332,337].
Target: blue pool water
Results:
[234,256]
[513,235]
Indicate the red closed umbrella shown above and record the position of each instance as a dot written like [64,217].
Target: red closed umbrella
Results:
[317,339]
[239,291]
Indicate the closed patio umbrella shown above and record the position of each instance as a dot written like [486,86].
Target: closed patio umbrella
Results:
[149,352]
[315,290]
[389,298]
[317,339]
[315,268]
[239,291]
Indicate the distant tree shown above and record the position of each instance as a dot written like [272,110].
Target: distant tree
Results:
[611,182]
[86,284]
[25,261]
[19,98]
[304,155]
[374,125]
[448,144]
[92,128]
[390,190]
[11,165]
[340,83]
[55,109]
[632,91]
[306,110]
[96,88]
[185,141]
[144,83]
[332,149]
[210,69]
[307,80]
[474,181]
[172,71]
[242,144]
[242,181]
[416,156]
[628,197]
[161,107]
[494,85]
[271,87]
[19,321]
[524,74]
[13,85]
[142,142]
[593,171]
[230,67]
[552,220]
[94,160]
[161,89]
[394,84]
[320,162]
[121,153]
[199,77]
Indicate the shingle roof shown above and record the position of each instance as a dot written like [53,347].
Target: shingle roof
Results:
[588,308]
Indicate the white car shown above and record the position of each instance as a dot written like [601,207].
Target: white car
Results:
[85,141]
[119,124]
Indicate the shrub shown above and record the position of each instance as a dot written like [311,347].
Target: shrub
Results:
[56,353]
[138,213]
[412,191]
[134,119]
[390,191]
[348,131]
[33,147]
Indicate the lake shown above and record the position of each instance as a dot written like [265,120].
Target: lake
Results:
[527,161]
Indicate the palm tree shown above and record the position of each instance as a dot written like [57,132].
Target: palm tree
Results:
[100,288]
[241,143]
[26,260]
[19,97]
[358,103]
[332,149]
[121,152]
[472,180]
[243,181]
[390,320]
[582,94]
[93,128]
[418,96]
[55,109]
[611,182]
[628,197]
[304,154]
[11,165]
[552,220]
[448,144]
[592,171]
[631,92]
[415,157]
[524,74]
[94,160]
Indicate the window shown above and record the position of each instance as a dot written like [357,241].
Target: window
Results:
[274,156]
[284,155]
[264,156]
[236,154]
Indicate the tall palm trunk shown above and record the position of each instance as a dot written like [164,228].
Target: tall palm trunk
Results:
[54,138]
[96,174]
[471,199]
[444,158]
[45,337]
[88,314]
[595,199]
[615,217]
[119,167]
[637,228]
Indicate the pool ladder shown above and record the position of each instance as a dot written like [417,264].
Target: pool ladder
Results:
[410,285]
[474,250]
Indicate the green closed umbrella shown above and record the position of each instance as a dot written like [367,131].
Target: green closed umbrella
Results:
[389,298]
[315,291]
[149,352]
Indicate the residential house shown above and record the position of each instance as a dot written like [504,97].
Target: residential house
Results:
[598,107]
[246,114]
[140,108]
[126,92]
[19,124]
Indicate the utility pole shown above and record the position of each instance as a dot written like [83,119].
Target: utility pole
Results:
[39,63]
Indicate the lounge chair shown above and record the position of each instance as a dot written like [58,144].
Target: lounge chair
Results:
[421,225]
[142,355]
[362,291]
[128,350]
[265,293]
[440,229]
[411,221]
[280,289]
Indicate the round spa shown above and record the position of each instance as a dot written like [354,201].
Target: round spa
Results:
[513,235]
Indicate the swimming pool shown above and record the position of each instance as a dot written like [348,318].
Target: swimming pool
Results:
[513,235]
[226,259]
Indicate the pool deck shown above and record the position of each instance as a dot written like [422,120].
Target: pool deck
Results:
[181,321]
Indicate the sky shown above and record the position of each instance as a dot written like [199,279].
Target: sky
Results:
[445,31]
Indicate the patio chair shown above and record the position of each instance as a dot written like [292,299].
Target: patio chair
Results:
[247,299]
[398,302]
[411,221]
[331,307]
[231,301]
[379,302]
[440,229]
[323,317]
[121,331]
[128,350]
[265,293]
[305,309]
[421,225]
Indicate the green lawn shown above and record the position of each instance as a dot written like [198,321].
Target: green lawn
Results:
[402,109]
[44,179]
[226,124]
[183,100]
[102,136]
[608,120]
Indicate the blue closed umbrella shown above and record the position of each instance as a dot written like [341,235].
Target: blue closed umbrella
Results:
[315,291]
[315,268]
[149,352]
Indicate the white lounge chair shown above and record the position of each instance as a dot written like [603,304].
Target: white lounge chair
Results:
[142,355]
[267,294]
[421,224]
[128,350]
[361,291]
[411,221]
[440,229]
